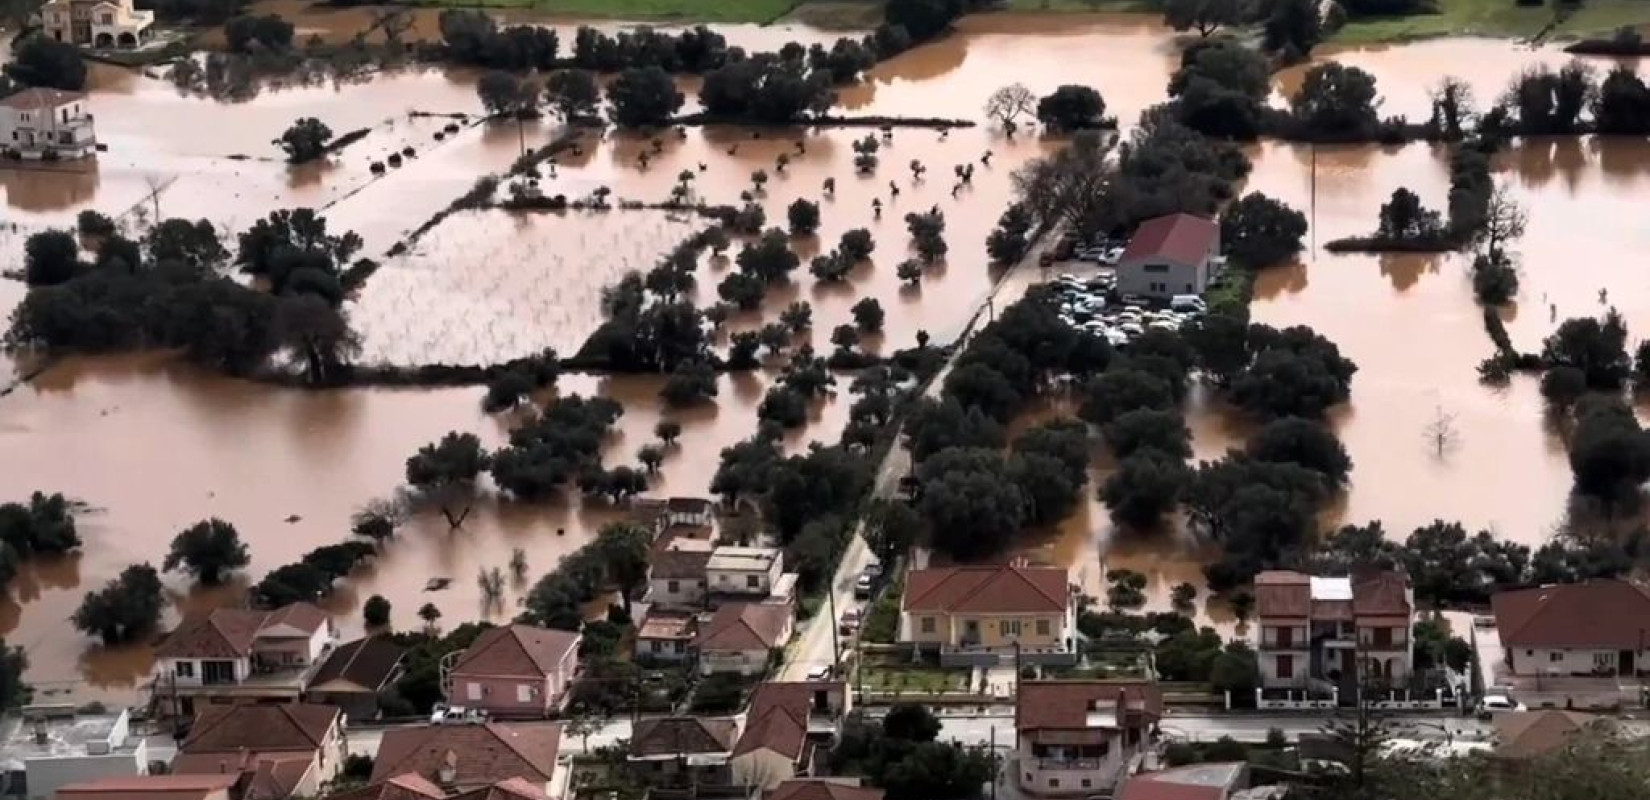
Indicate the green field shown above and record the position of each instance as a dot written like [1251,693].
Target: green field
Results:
[685,11]
[1498,18]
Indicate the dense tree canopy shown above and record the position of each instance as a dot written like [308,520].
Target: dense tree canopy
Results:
[207,550]
[1221,88]
[1072,107]
[43,62]
[126,608]
[1307,443]
[1598,348]
[1146,486]
[1336,101]
[645,97]
[971,503]
[1257,231]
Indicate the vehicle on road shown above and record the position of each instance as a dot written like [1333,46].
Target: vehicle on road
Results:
[821,672]
[1498,698]
[1132,300]
[863,586]
[443,714]
[1188,302]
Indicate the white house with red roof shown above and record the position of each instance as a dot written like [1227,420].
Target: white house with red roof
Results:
[517,671]
[1173,255]
[46,123]
[239,655]
[788,724]
[1600,627]
[984,615]
[1081,738]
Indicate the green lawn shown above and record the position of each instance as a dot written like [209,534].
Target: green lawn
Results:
[1086,6]
[882,678]
[707,11]
[1497,18]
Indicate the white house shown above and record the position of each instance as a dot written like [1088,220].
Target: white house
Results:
[676,573]
[740,637]
[102,24]
[1169,256]
[47,747]
[240,655]
[46,124]
[1081,738]
[744,570]
[1600,627]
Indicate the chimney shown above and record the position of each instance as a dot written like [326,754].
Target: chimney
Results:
[446,776]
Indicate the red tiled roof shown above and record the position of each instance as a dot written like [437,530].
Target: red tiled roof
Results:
[229,632]
[289,727]
[743,627]
[1602,614]
[1066,704]
[483,754]
[362,665]
[1382,592]
[1181,237]
[1527,734]
[987,589]
[277,778]
[30,99]
[1281,593]
[681,559]
[410,786]
[1194,782]
[516,650]
[682,735]
[821,789]
[778,716]
[150,787]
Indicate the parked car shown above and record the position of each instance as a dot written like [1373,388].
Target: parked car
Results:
[1499,698]
[443,714]
[1133,300]
[863,587]
[821,672]
[1188,302]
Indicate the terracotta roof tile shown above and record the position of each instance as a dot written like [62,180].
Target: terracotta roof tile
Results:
[662,625]
[222,633]
[1065,705]
[1181,237]
[1280,593]
[515,650]
[410,786]
[484,754]
[30,99]
[1195,782]
[1003,589]
[680,557]
[744,627]
[296,726]
[1527,734]
[1603,614]
[277,778]
[301,618]
[778,716]
[1381,592]
[821,789]
[512,789]
[365,664]
[688,735]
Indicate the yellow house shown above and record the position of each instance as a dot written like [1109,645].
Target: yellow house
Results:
[985,615]
[103,24]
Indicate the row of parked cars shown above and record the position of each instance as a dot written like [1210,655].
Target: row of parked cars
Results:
[1093,305]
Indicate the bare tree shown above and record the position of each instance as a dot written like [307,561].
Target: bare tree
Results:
[1452,107]
[1503,222]
[518,565]
[394,21]
[1008,103]
[1441,432]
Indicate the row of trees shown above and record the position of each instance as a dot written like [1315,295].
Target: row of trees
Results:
[165,291]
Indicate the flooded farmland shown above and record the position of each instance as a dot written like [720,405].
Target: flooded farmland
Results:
[489,285]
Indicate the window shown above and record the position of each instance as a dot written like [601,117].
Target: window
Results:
[472,690]
[1604,661]
[1053,783]
[1042,627]
[1011,627]
[524,692]
[1157,267]
[654,646]
[1028,776]
[751,581]
[927,624]
[673,586]
[106,18]
[1555,657]
[1087,783]
[1285,637]
[1529,653]
[1286,666]
[185,669]
[1188,288]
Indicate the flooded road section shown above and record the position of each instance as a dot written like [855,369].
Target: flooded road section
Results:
[258,456]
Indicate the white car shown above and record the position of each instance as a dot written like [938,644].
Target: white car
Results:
[1499,700]
[819,673]
[1112,256]
[443,714]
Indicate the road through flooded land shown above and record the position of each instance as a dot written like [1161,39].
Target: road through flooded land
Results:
[153,445]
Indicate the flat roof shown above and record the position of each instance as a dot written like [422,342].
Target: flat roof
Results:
[1331,588]
[66,737]
[743,558]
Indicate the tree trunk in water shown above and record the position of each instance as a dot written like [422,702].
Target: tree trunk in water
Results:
[454,522]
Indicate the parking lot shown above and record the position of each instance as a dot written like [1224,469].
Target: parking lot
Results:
[1091,303]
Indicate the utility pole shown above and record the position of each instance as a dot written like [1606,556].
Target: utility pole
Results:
[996,768]
[836,644]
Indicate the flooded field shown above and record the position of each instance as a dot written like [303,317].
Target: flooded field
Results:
[490,285]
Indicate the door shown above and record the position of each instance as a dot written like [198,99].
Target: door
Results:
[1626,662]
[217,672]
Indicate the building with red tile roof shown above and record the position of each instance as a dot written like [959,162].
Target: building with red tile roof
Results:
[1194,782]
[784,726]
[466,757]
[981,614]
[354,674]
[280,751]
[1167,256]
[1081,737]
[822,789]
[1600,627]
[1315,629]
[740,637]
[153,787]
[515,671]
[231,655]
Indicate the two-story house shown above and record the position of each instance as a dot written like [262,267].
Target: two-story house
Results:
[1600,627]
[787,724]
[466,758]
[744,571]
[1315,632]
[238,655]
[1082,737]
[676,575]
[102,24]
[514,671]
[46,123]
[682,752]
[982,615]
[280,751]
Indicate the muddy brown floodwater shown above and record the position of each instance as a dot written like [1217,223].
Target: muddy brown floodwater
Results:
[490,285]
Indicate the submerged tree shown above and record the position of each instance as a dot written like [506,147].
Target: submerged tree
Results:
[207,549]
